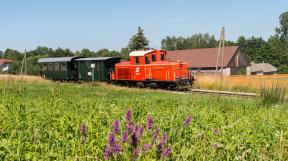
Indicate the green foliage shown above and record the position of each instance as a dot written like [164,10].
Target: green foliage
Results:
[272,95]
[283,69]
[138,41]
[42,122]
[283,29]
[195,41]
[59,52]
[85,53]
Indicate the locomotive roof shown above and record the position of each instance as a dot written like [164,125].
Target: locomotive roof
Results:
[55,59]
[97,58]
[140,53]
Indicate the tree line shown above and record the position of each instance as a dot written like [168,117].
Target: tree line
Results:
[274,50]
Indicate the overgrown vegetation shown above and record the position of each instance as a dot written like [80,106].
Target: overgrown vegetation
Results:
[273,94]
[59,121]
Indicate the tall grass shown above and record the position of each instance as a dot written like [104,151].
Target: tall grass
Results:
[4,78]
[273,94]
[239,83]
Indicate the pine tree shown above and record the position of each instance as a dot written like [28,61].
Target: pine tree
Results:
[138,41]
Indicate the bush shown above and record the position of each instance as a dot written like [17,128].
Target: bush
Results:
[283,69]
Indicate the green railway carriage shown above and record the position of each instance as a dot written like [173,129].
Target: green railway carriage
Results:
[58,68]
[96,68]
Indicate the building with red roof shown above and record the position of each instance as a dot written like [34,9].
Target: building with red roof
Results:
[4,64]
[205,60]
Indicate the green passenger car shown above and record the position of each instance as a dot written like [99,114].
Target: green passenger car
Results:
[96,68]
[58,68]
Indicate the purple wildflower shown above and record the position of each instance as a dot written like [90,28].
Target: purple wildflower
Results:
[117,149]
[155,135]
[108,153]
[141,131]
[134,140]
[188,121]
[136,153]
[116,127]
[130,127]
[160,146]
[112,139]
[83,129]
[166,152]
[146,147]
[125,136]
[149,123]
[129,116]
[164,138]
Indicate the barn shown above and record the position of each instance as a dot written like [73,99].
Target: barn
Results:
[203,61]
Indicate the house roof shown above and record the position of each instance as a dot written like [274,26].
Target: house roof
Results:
[55,59]
[140,53]
[203,58]
[262,67]
[97,58]
[2,61]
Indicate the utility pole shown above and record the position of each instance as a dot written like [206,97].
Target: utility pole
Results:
[221,51]
[25,62]
[24,65]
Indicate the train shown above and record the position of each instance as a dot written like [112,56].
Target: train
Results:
[148,68]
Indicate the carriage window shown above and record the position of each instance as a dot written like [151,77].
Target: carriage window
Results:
[162,57]
[147,60]
[56,66]
[153,58]
[63,67]
[44,67]
[136,60]
[50,66]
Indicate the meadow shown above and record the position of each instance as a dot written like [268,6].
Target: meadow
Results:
[43,120]
[240,83]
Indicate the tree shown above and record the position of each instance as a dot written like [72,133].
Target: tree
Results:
[138,41]
[283,29]
[124,53]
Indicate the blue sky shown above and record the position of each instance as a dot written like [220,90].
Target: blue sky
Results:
[93,24]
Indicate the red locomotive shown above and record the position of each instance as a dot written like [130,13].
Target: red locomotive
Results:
[151,69]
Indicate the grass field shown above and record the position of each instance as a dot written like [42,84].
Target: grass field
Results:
[42,120]
[241,83]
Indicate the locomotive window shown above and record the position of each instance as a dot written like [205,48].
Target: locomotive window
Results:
[50,66]
[56,66]
[44,67]
[162,57]
[136,60]
[147,60]
[63,67]
[153,58]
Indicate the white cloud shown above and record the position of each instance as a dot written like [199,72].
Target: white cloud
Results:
[182,19]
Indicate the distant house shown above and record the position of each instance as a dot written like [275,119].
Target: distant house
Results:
[204,60]
[262,69]
[4,64]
